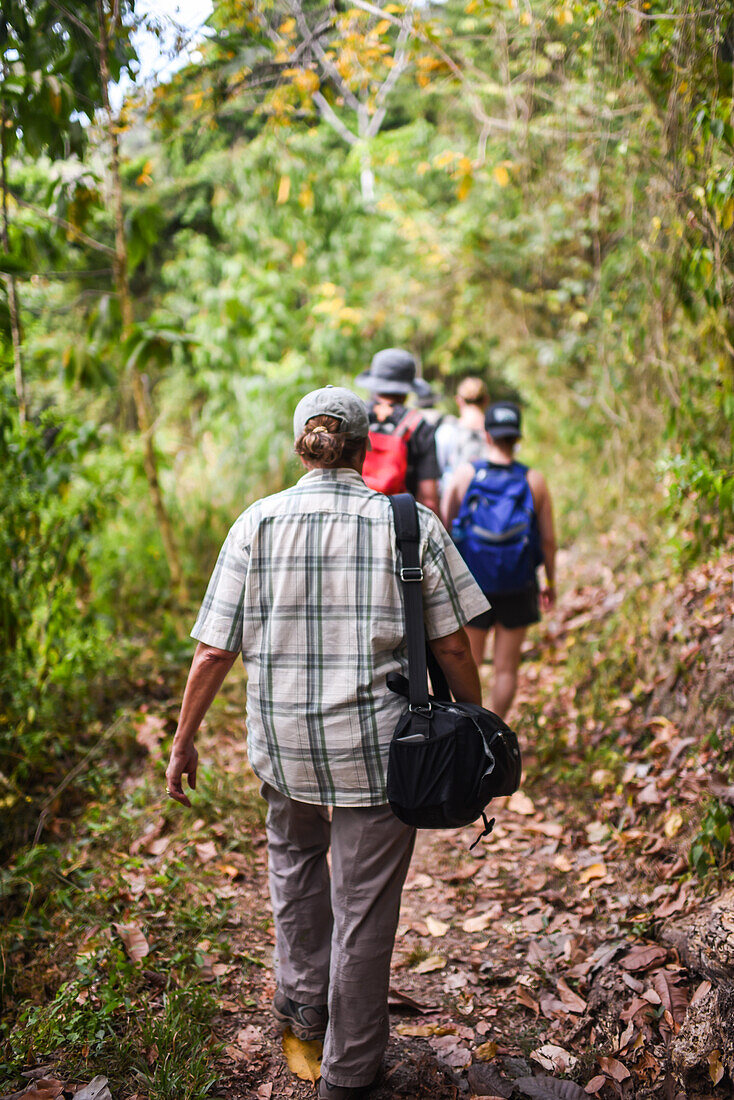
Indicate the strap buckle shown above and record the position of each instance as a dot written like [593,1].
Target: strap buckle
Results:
[421,708]
[411,573]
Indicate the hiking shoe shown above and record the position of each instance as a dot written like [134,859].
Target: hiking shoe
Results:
[340,1092]
[305,1021]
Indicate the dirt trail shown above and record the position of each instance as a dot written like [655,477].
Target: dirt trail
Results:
[538,953]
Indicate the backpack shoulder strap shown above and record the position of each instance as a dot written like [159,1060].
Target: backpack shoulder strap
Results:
[407,534]
[409,423]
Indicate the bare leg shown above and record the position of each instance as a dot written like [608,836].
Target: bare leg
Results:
[507,645]
[477,642]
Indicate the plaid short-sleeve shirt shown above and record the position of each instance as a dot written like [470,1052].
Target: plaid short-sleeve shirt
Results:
[307,587]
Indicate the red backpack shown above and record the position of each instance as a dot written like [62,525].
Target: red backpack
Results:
[386,464]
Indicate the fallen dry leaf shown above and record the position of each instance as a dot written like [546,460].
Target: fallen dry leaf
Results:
[595,1084]
[157,846]
[486,1052]
[673,824]
[486,1081]
[135,942]
[230,870]
[643,957]
[549,1088]
[672,904]
[716,1070]
[249,1039]
[206,851]
[420,1031]
[45,1088]
[614,1068]
[571,1000]
[419,882]
[436,928]
[553,1058]
[636,1005]
[524,998]
[477,924]
[673,996]
[451,1050]
[552,829]
[593,871]
[265,1091]
[427,966]
[96,1090]
[596,832]
[701,991]
[519,803]
[304,1059]
[398,999]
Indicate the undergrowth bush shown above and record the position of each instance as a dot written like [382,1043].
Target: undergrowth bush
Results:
[55,639]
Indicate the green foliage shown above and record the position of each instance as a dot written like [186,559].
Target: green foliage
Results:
[700,500]
[710,848]
[92,1022]
[552,210]
[53,503]
[69,992]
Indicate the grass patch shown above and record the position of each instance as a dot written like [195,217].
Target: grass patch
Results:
[73,993]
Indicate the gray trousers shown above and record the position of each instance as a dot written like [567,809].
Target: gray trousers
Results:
[335,933]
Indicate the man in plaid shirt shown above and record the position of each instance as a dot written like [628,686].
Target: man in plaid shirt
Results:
[307,589]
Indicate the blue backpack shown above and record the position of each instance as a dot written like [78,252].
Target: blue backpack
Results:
[496,530]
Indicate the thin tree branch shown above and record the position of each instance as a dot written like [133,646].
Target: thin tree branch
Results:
[401,54]
[399,67]
[653,17]
[63,224]
[75,20]
[326,64]
[330,116]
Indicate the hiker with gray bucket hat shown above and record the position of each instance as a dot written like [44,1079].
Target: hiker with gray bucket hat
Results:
[403,454]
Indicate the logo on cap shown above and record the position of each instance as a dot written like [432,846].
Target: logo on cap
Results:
[504,416]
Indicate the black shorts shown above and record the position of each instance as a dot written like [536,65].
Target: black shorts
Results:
[510,609]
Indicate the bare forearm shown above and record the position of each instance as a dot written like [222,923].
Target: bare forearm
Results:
[208,671]
[548,547]
[454,657]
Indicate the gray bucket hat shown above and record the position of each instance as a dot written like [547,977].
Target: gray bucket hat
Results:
[336,401]
[392,371]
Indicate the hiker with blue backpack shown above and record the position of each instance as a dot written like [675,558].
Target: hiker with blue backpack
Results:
[500,516]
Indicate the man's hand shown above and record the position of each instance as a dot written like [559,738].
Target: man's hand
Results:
[184,761]
[547,597]
[206,676]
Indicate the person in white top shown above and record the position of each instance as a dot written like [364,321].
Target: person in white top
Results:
[463,439]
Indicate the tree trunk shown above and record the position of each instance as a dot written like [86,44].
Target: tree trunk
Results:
[705,943]
[140,396]
[13,301]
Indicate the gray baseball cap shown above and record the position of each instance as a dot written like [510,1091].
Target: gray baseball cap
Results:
[334,401]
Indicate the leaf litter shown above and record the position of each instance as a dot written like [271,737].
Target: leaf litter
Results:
[549,964]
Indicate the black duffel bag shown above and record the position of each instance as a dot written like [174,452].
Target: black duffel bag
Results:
[447,759]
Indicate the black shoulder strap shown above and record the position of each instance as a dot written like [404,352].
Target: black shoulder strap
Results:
[420,657]
[407,533]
